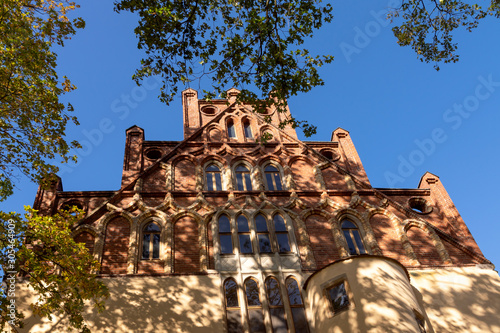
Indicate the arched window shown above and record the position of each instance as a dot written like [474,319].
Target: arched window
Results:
[263,234]
[231,132]
[281,234]
[151,241]
[243,182]
[244,235]
[277,311]
[255,315]
[273,178]
[298,313]
[247,129]
[353,238]
[232,306]
[226,243]
[213,178]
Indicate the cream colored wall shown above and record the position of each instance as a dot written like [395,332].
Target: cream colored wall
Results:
[382,299]
[459,299]
[150,304]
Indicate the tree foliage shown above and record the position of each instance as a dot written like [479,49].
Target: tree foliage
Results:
[428,26]
[32,118]
[256,46]
[252,45]
[56,268]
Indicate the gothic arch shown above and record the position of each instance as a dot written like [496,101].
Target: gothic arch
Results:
[438,244]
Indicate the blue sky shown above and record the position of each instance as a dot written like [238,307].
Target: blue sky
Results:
[388,100]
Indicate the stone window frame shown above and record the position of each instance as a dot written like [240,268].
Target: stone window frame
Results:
[325,287]
[232,215]
[343,246]
[280,171]
[222,173]
[141,240]
[228,134]
[250,172]
[289,303]
[244,121]
[353,238]
[232,233]
[261,280]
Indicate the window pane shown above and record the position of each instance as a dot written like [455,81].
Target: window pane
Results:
[252,292]
[224,225]
[293,292]
[278,320]
[156,246]
[248,182]
[338,297]
[234,322]
[283,242]
[299,320]
[213,167]
[248,130]
[231,290]
[210,181]
[273,292]
[260,223]
[241,168]
[359,242]
[348,224]
[152,227]
[242,224]
[230,130]
[239,181]
[270,168]
[278,181]
[350,244]
[269,179]
[226,244]
[264,243]
[218,183]
[256,321]
[145,246]
[279,223]
[245,244]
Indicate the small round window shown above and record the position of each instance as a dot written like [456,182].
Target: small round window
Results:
[330,154]
[420,205]
[210,110]
[153,154]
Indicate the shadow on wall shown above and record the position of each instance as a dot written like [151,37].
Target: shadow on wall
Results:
[151,304]
[463,299]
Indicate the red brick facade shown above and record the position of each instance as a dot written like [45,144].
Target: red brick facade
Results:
[322,183]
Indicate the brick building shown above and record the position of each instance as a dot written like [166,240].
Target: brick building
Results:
[218,233]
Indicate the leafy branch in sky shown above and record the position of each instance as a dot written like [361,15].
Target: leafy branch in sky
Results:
[428,26]
[32,119]
[252,45]
[255,46]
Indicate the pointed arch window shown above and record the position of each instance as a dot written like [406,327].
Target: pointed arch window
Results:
[244,235]
[273,178]
[226,242]
[213,178]
[151,241]
[247,129]
[353,238]
[254,305]
[298,312]
[232,306]
[243,181]
[281,234]
[263,234]
[231,131]
[276,308]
